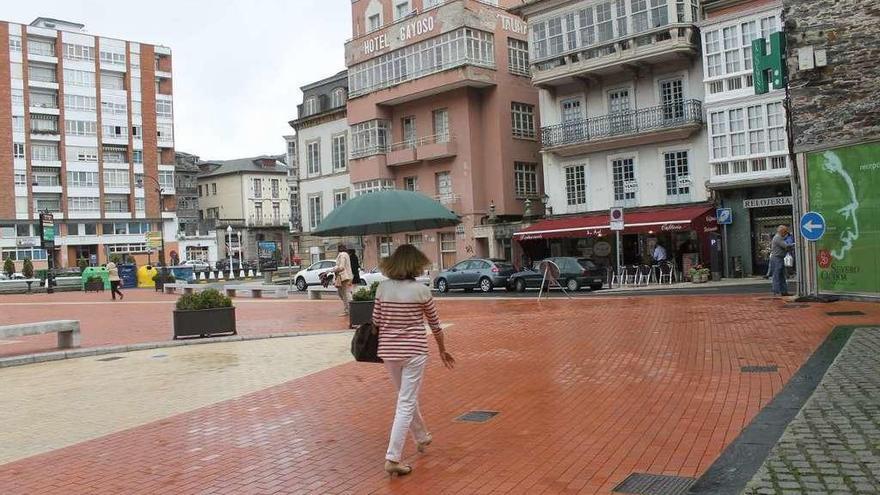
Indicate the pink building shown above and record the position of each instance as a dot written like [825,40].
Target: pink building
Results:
[440,102]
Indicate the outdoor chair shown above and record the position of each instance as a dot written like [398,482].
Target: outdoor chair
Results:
[666,270]
[617,277]
[646,274]
[631,275]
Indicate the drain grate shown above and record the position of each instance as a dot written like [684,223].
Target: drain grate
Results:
[845,313]
[654,484]
[795,305]
[477,416]
[111,358]
[772,368]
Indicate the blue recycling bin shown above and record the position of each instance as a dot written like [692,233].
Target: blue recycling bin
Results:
[128,276]
[183,273]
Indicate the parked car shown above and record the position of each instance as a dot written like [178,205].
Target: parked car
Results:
[476,273]
[312,275]
[197,265]
[574,273]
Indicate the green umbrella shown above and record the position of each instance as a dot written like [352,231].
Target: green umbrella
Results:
[386,212]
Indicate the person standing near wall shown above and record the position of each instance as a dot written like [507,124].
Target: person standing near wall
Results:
[778,249]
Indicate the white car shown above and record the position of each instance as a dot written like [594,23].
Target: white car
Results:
[312,275]
[197,265]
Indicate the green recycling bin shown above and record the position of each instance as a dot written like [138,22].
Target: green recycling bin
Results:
[96,271]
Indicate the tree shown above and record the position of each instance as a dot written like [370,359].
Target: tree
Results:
[28,268]
[9,267]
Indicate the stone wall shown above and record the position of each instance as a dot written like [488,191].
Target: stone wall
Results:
[838,104]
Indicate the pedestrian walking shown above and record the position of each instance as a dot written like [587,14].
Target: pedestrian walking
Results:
[113,271]
[778,249]
[355,267]
[402,305]
[343,278]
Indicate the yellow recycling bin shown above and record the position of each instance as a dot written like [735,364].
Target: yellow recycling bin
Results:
[145,276]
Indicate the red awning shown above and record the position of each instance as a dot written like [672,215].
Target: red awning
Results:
[661,219]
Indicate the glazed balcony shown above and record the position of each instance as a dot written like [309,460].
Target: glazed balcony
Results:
[635,127]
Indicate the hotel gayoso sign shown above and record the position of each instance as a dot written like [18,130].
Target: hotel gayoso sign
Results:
[405,32]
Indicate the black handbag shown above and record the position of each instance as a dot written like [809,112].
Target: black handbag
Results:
[365,344]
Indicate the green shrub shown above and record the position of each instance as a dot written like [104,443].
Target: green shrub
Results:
[207,299]
[116,258]
[9,267]
[28,268]
[82,263]
[366,293]
[169,279]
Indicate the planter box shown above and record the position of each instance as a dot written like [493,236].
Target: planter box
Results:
[204,322]
[360,312]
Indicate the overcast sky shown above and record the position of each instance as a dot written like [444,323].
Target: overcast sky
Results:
[238,64]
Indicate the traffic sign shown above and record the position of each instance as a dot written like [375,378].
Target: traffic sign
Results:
[724,216]
[812,226]
[154,240]
[616,220]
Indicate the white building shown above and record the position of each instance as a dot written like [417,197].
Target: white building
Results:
[621,105]
[747,139]
[322,159]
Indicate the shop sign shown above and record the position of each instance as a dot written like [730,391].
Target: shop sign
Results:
[630,186]
[672,227]
[406,32]
[47,231]
[154,240]
[767,202]
[513,24]
[843,185]
[27,242]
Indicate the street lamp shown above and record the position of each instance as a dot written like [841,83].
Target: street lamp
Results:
[229,249]
[159,190]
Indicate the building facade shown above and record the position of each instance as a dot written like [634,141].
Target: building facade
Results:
[322,143]
[748,145]
[291,159]
[621,101]
[87,134]
[251,196]
[196,240]
[440,102]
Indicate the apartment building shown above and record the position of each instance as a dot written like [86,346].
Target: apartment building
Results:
[86,133]
[196,239]
[440,102]
[291,160]
[748,148]
[323,145]
[251,196]
[621,103]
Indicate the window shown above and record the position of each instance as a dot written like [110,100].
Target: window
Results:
[464,46]
[14,43]
[115,154]
[672,99]
[78,52]
[113,58]
[526,178]
[81,154]
[79,78]
[518,57]
[414,239]
[82,179]
[16,70]
[369,138]
[18,150]
[729,50]
[386,246]
[523,117]
[116,203]
[117,178]
[776,127]
[337,98]
[339,197]
[257,188]
[447,249]
[411,183]
[46,176]
[276,188]
[80,128]
[42,73]
[113,105]
[200,191]
[82,204]
[137,132]
[17,97]
[410,136]
[624,180]
[778,162]
[44,152]
[401,10]
[443,182]
[114,131]
[43,100]
[137,156]
[441,125]
[555,43]
[17,124]
[313,157]
[127,248]
[639,9]
[369,186]
[164,132]
[575,185]
[677,173]
[718,131]
[20,179]
[214,189]
[340,155]
[374,22]
[163,108]
[77,102]
[45,48]
[310,107]
[315,214]
[736,128]
[140,204]
[166,180]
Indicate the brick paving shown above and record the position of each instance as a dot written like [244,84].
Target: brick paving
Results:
[588,392]
[833,445]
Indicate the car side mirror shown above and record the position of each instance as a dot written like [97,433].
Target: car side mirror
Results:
[453,269]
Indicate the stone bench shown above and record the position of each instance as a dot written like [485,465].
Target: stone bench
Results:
[67,330]
[186,288]
[315,292]
[256,291]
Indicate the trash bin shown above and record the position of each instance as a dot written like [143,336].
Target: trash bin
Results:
[145,276]
[128,276]
[96,271]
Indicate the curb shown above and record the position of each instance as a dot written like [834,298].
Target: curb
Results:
[44,357]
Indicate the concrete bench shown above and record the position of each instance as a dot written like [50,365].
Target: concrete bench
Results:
[256,291]
[315,292]
[67,330]
[186,288]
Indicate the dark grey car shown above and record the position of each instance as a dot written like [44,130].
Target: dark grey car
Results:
[476,273]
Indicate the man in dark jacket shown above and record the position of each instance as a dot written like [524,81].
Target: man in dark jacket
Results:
[355,267]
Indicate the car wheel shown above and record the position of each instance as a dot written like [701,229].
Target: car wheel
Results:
[442,286]
[572,285]
[520,285]
[301,284]
[596,287]
[486,285]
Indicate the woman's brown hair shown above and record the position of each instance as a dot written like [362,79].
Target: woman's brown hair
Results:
[406,263]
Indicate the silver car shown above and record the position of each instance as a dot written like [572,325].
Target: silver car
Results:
[476,273]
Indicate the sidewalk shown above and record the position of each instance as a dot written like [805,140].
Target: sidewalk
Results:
[711,285]
[587,392]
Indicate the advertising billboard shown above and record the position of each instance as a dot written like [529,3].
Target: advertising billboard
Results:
[843,187]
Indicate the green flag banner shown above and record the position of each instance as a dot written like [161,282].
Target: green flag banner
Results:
[843,187]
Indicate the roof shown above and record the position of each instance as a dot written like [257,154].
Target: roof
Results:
[339,76]
[213,168]
[39,21]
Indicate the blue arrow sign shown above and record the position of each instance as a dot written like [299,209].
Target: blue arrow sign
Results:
[812,226]
[724,216]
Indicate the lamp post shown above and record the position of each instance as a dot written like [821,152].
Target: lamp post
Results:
[160,190]
[229,249]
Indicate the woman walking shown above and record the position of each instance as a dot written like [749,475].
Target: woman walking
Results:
[114,281]
[401,308]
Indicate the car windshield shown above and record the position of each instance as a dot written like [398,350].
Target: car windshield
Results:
[587,263]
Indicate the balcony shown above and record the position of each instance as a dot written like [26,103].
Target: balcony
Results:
[46,104]
[268,221]
[402,153]
[643,126]
[427,148]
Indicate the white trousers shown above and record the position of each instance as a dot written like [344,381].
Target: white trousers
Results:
[406,375]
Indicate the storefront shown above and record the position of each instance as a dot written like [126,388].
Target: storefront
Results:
[685,232]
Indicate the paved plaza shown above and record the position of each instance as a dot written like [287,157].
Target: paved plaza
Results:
[587,392]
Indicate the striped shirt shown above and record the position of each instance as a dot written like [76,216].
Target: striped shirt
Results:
[400,311]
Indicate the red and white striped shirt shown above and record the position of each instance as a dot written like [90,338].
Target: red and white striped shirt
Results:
[400,311]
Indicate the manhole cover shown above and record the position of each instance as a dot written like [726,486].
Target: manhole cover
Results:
[477,416]
[845,313]
[111,358]
[654,484]
[772,368]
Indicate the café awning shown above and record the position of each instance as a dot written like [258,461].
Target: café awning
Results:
[699,217]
